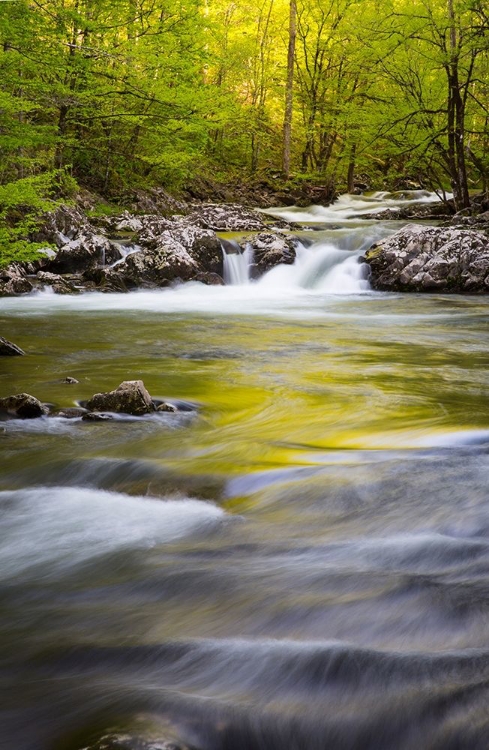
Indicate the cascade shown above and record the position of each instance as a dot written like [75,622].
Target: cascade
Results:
[236,263]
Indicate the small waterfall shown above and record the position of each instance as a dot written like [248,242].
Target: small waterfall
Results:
[237,263]
[125,250]
[321,267]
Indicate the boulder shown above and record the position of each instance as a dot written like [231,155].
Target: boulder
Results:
[56,282]
[23,405]
[169,261]
[226,217]
[15,286]
[270,249]
[426,259]
[86,251]
[8,349]
[61,226]
[131,397]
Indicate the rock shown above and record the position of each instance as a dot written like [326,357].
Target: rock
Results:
[57,283]
[425,259]
[70,381]
[168,262]
[61,226]
[131,397]
[202,245]
[166,407]
[23,405]
[131,742]
[222,217]
[86,251]
[270,249]
[211,279]
[70,412]
[15,286]
[8,349]
[97,417]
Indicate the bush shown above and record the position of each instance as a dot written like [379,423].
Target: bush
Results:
[22,205]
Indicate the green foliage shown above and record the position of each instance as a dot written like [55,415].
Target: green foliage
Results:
[22,205]
[137,93]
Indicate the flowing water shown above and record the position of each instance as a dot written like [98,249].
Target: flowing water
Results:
[298,559]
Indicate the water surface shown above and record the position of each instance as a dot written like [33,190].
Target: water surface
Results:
[299,560]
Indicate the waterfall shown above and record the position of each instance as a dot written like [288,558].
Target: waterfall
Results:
[125,250]
[236,263]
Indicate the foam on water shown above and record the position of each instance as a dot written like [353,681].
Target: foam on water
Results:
[49,530]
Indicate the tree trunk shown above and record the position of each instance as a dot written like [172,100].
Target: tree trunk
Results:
[289,89]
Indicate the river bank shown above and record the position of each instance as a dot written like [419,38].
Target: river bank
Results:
[221,243]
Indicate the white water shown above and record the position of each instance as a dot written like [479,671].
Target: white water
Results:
[125,250]
[237,266]
[349,207]
[47,530]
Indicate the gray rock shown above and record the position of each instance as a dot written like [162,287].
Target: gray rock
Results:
[86,251]
[57,283]
[96,417]
[169,261]
[15,286]
[8,349]
[423,259]
[230,217]
[69,380]
[69,412]
[23,405]
[131,397]
[270,249]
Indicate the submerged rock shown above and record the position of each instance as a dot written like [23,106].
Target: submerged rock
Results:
[8,349]
[130,397]
[96,417]
[23,405]
[426,259]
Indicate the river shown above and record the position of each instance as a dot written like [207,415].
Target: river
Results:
[296,560]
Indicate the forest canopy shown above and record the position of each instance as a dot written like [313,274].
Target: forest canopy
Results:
[133,93]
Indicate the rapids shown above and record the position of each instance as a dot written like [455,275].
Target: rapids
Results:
[299,561]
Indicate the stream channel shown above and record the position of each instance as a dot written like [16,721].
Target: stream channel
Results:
[299,560]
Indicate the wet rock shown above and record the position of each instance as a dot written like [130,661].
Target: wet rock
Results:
[69,412]
[202,245]
[23,405]
[70,381]
[13,281]
[270,249]
[131,397]
[86,251]
[57,283]
[211,279]
[169,261]
[8,349]
[96,417]
[131,742]
[426,259]
[166,407]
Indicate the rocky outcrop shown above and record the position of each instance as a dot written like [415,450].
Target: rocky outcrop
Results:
[130,397]
[427,259]
[8,349]
[13,281]
[269,250]
[226,217]
[57,283]
[23,405]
